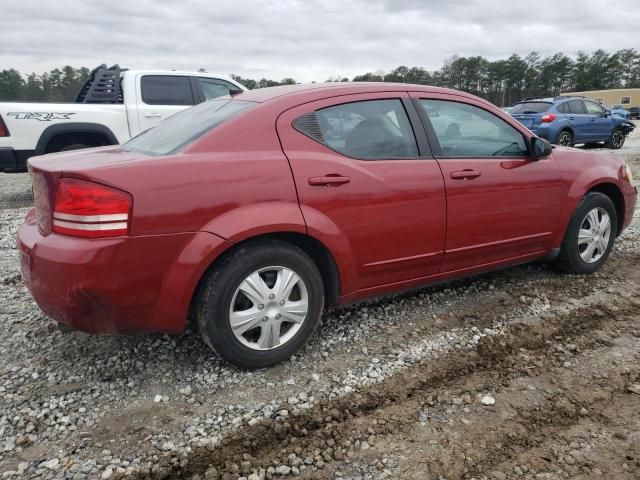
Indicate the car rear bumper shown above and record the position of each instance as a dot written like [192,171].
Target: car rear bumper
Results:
[116,285]
[630,199]
[11,159]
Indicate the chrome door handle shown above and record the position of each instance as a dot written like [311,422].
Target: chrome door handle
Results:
[153,115]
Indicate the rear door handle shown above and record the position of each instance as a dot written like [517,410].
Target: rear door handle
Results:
[329,180]
[571,118]
[465,174]
[153,115]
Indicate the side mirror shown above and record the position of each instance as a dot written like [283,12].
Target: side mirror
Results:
[540,148]
[607,113]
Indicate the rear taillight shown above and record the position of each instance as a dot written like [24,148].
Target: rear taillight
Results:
[90,210]
[4,131]
[548,117]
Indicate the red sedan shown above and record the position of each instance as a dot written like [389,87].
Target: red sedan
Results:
[255,213]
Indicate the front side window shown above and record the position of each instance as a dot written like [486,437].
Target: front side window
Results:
[368,130]
[463,130]
[213,89]
[183,128]
[576,107]
[166,90]
[593,108]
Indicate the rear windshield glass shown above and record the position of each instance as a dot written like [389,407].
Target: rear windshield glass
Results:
[183,128]
[531,107]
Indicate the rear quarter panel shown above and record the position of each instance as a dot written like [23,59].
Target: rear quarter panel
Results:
[234,182]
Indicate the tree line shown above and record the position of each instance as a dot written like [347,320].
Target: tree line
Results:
[502,82]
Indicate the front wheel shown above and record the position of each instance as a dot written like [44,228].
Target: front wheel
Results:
[589,237]
[260,304]
[617,139]
[565,138]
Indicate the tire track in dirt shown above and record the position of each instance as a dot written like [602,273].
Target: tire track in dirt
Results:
[333,430]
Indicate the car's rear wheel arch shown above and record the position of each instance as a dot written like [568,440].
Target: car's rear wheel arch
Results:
[319,253]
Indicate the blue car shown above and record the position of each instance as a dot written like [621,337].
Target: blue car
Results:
[570,120]
[620,111]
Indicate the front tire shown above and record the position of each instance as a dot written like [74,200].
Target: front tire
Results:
[589,237]
[260,304]
[617,139]
[565,138]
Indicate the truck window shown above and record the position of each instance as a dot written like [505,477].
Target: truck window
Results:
[214,88]
[166,90]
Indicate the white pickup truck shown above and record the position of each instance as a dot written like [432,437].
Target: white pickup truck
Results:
[113,105]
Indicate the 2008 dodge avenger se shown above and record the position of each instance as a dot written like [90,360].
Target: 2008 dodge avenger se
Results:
[255,212]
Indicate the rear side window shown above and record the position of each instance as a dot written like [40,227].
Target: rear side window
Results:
[185,127]
[563,108]
[531,107]
[166,90]
[367,130]
[576,106]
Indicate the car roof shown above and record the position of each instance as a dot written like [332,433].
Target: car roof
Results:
[317,90]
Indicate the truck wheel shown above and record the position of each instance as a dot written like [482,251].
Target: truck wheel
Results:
[617,139]
[75,146]
[590,234]
[260,304]
[565,138]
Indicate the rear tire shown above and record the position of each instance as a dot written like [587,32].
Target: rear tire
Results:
[587,229]
[269,324]
[565,138]
[616,141]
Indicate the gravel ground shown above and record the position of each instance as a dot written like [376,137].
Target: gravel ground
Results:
[524,373]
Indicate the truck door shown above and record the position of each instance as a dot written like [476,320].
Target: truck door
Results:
[160,96]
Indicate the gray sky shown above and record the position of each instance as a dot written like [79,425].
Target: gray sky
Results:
[307,40]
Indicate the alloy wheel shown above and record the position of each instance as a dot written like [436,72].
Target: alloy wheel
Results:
[617,139]
[565,139]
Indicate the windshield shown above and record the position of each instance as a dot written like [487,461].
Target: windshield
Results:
[531,107]
[185,127]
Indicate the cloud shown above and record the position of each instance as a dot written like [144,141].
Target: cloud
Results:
[304,39]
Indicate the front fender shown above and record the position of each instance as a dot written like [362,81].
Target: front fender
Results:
[588,179]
